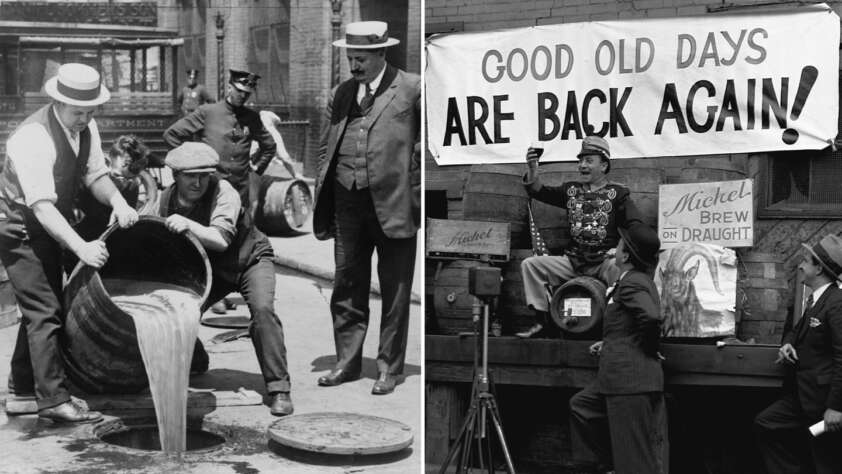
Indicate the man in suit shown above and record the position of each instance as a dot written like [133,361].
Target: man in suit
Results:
[622,416]
[368,193]
[52,154]
[812,349]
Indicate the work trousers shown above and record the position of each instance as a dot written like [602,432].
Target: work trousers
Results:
[257,285]
[628,432]
[540,271]
[786,445]
[358,234]
[33,263]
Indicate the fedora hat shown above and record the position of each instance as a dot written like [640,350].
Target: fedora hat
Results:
[77,84]
[641,241]
[366,35]
[829,253]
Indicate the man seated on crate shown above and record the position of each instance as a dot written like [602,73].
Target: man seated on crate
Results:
[241,258]
[595,208]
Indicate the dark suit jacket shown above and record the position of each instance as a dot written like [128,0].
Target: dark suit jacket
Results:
[628,362]
[818,372]
[393,157]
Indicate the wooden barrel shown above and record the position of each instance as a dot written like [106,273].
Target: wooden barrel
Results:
[495,193]
[9,311]
[99,342]
[578,305]
[452,303]
[283,205]
[763,297]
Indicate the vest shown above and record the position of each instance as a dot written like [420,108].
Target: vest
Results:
[247,247]
[68,172]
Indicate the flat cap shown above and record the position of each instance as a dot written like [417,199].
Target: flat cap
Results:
[595,145]
[192,157]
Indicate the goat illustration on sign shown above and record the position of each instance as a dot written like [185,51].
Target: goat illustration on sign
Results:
[698,288]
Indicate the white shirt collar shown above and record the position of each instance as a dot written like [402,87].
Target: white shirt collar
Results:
[374,84]
[74,142]
[817,293]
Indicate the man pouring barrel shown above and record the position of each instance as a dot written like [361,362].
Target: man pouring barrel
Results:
[241,257]
[49,157]
[596,207]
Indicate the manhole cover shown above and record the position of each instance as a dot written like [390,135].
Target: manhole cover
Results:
[145,437]
[226,322]
[341,433]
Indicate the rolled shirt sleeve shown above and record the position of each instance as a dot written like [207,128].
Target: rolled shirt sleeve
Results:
[96,158]
[226,210]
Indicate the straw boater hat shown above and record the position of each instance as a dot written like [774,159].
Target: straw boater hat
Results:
[366,35]
[829,253]
[77,84]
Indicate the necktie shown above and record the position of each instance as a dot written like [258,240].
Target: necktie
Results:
[808,305]
[368,100]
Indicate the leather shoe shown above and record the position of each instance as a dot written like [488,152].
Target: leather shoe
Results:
[281,404]
[385,384]
[531,332]
[69,412]
[337,377]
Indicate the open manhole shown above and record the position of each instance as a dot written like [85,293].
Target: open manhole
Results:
[145,436]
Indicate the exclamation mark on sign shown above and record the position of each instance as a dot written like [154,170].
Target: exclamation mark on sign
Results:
[808,78]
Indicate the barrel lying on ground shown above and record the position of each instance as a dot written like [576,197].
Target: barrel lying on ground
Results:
[283,205]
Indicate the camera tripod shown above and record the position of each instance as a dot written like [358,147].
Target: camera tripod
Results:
[475,432]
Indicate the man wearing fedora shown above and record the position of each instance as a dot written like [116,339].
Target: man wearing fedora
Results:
[241,257]
[49,157]
[622,416]
[193,94]
[229,127]
[596,207]
[812,391]
[368,194]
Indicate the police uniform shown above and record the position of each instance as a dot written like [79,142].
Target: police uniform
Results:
[191,97]
[229,130]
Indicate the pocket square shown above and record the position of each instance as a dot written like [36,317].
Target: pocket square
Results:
[815,322]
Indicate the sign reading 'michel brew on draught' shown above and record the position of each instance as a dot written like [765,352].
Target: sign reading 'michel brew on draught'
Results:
[719,213]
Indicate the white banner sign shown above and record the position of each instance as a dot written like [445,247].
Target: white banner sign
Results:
[720,213]
[721,83]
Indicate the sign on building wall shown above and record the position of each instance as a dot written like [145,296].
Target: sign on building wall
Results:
[720,213]
[103,12]
[656,87]
[698,288]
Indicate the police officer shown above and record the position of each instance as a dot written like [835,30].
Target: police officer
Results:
[229,128]
[193,94]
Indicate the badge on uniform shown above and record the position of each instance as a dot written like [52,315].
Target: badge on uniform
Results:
[815,322]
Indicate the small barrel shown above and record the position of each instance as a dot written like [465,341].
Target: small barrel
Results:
[451,300]
[495,193]
[283,205]
[763,296]
[9,311]
[99,342]
[578,305]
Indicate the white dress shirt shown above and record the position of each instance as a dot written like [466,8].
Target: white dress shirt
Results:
[374,84]
[33,154]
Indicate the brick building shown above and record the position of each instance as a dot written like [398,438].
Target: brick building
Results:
[288,42]
[797,199]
